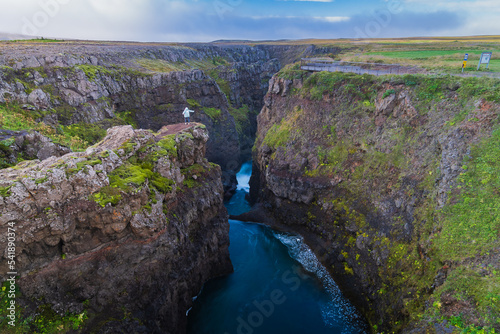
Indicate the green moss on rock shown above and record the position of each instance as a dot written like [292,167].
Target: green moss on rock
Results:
[169,145]
[5,191]
[213,113]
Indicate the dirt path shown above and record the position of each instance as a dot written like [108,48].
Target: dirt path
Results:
[175,128]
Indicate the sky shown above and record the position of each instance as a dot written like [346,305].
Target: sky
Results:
[209,20]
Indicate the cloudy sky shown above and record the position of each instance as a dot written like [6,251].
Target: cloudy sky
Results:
[208,20]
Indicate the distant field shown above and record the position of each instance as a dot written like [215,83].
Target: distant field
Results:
[435,53]
[420,54]
[446,59]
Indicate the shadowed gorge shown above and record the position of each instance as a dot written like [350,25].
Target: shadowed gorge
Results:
[395,179]
[387,185]
[278,285]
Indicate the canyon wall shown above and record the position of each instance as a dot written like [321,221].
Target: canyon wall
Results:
[123,234]
[393,182]
[147,86]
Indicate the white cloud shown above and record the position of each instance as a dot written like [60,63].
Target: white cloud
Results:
[332,19]
[485,6]
[188,20]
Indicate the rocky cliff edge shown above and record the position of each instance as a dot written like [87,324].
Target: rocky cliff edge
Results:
[130,229]
[394,181]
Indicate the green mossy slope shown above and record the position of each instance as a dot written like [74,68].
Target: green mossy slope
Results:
[401,181]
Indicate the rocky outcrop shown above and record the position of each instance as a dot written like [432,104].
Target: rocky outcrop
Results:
[130,229]
[288,54]
[27,145]
[147,86]
[369,171]
[93,94]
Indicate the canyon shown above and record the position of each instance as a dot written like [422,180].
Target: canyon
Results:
[372,172]
[148,86]
[113,232]
[375,172]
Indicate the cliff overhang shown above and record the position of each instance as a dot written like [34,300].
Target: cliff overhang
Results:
[129,229]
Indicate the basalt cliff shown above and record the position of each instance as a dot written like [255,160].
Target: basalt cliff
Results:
[117,229]
[99,85]
[394,182]
[121,236]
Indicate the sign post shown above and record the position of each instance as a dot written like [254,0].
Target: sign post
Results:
[464,64]
[485,59]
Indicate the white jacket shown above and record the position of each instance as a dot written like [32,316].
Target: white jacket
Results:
[187,112]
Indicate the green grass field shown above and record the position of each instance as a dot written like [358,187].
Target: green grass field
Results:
[435,53]
[424,54]
[445,59]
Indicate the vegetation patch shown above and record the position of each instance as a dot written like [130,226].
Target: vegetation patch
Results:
[161,66]
[91,133]
[193,103]
[471,221]
[42,180]
[132,176]
[14,118]
[353,86]
[6,152]
[5,191]
[280,134]
[223,84]
[474,285]
[207,63]
[192,175]
[106,195]
[213,113]
[291,72]
[128,117]
[388,93]
[241,117]
[169,144]
[81,165]
[43,321]
[427,88]
[93,71]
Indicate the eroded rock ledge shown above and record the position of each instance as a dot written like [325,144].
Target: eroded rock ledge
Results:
[129,229]
[387,183]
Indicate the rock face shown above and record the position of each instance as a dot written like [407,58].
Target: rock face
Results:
[246,87]
[368,170]
[114,84]
[129,229]
[27,145]
[92,94]
[148,86]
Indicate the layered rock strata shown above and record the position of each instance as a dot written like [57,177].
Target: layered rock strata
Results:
[130,229]
[376,174]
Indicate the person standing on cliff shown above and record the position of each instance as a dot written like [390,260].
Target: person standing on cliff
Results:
[187,112]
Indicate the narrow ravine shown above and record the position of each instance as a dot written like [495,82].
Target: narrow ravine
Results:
[278,285]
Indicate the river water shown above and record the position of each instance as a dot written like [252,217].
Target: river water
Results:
[278,285]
